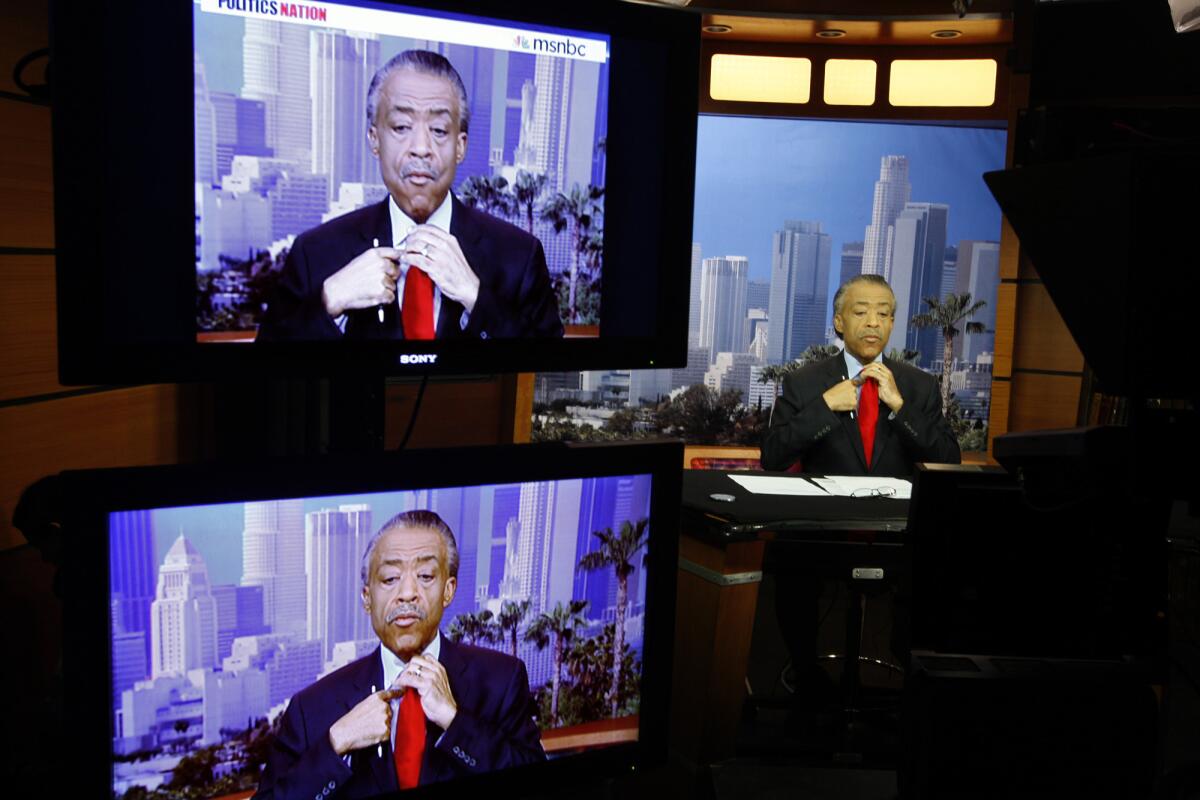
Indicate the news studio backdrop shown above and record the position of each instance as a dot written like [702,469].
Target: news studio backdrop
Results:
[230,127]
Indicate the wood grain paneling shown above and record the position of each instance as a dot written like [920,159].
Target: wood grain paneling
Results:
[1006,314]
[1010,250]
[1043,341]
[452,414]
[26,181]
[28,338]
[121,427]
[1043,401]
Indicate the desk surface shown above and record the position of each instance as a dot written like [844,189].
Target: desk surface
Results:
[755,516]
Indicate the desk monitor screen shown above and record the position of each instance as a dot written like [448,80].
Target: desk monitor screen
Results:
[243,634]
[273,170]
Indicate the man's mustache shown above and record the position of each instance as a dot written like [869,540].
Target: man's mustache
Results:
[420,168]
[406,610]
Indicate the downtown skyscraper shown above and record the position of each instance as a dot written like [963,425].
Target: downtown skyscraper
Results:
[341,68]
[978,272]
[275,70]
[273,558]
[336,539]
[918,251]
[800,263]
[892,191]
[723,285]
[183,616]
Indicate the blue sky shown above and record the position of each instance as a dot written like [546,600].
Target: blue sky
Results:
[754,173]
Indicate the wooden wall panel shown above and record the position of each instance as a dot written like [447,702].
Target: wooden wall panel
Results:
[105,429]
[28,337]
[999,411]
[452,414]
[1043,401]
[1044,342]
[1006,313]
[26,181]
[1009,247]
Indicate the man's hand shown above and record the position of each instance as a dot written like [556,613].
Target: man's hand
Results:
[842,396]
[437,253]
[428,677]
[368,280]
[368,723]
[889,393]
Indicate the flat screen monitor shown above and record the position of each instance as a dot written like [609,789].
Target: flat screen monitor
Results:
[243,186]
[224,622]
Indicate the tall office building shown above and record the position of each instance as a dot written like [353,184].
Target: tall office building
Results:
[723,283]
[558,137]
[133,575]
[694,298]
[183,616]
[206,128]
[800,263]
[273,558]
[239,613]
[340,70]
[459,509]
[758,295]
[916,273]
[891,193]
[336,539]
[241,129]
[275,70]
[852,261]
[978,271]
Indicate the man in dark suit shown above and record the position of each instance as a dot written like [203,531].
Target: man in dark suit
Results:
[419,709]
[419,265]
[817,420]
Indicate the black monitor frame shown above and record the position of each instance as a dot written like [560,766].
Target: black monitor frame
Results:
[125,204]
[93,494]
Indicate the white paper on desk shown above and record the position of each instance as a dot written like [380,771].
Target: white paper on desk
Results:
[776,484]
[847,485]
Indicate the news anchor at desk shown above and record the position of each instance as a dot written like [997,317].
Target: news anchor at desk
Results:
[858,413]
[417,710]
[444,270]
[855,413]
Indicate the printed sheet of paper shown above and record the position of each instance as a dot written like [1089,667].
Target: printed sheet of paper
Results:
[776,484]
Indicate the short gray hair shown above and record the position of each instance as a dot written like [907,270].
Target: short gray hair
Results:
[423,519]
[840,295]
[426,62]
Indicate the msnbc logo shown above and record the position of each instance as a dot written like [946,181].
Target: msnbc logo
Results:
[553,47]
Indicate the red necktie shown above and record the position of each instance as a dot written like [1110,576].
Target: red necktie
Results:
[417,311]
[868,415]
[410,736]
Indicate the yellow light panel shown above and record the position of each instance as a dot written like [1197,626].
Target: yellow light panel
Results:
[850,82]
[943,82]
[760,79]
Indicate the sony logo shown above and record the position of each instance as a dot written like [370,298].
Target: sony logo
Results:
[418,358]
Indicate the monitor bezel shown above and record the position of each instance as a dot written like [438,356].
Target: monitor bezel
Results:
[85,580]
[119,322]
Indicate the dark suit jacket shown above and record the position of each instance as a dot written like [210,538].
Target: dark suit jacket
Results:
[516,299]
[826,442]
[493,729]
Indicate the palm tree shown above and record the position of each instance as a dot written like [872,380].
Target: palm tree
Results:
[512,613]
[946,314]
[558,625]
[526,191]
[473,628]
[575,211]
[488,193]
[617,551]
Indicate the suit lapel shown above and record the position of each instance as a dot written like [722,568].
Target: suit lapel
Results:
[837,374]
[377,227]
[370,676]
[432,768]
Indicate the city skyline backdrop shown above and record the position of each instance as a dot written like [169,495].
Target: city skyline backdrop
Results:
[825,171]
